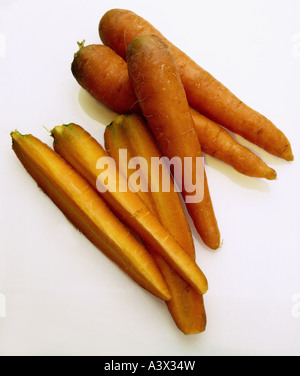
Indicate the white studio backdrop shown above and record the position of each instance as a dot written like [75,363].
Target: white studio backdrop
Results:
[58,294]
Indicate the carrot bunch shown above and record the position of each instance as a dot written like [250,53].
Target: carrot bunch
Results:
[168,108]
[119,27]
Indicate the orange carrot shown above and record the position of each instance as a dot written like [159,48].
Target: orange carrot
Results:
[218,143]
[156,81]
[88,212]
[118,28]
[214,140]
[93,70]
[132,134]
[83,152]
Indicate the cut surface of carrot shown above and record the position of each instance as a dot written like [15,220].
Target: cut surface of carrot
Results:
[131,133]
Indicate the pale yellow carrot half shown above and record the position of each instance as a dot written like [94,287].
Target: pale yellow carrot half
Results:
[88,212]
[131,134]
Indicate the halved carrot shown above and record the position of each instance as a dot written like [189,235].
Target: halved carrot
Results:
[88,212]
[119,27]
[214,139]
[83,152]
[132,134]
[156,81]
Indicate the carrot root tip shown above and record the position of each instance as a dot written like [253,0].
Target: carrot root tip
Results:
[272,175]
[290,158]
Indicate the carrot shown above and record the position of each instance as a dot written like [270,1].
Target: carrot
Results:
[156,81]
[92,69]
[88,212]
[132,134]
[83,152]
[214,140]
[118,28]
[218,143]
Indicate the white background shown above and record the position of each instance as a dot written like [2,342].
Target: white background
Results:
[63,297]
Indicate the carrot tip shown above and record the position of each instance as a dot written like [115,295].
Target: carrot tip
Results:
[287,153]
[272,175]
[290,158]
[213,245]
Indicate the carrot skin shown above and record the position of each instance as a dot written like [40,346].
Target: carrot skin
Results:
[88,212]
[214,140]
[83,152]
[167,112]
[92,69]
[132,133]
[218,143]
[119,27]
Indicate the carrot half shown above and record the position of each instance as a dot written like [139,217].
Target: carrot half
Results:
[88,212]
[132,134]
[83,152]
[156,81]
[119,27]
[115,90]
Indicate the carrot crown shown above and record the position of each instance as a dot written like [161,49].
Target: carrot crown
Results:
[80,45]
